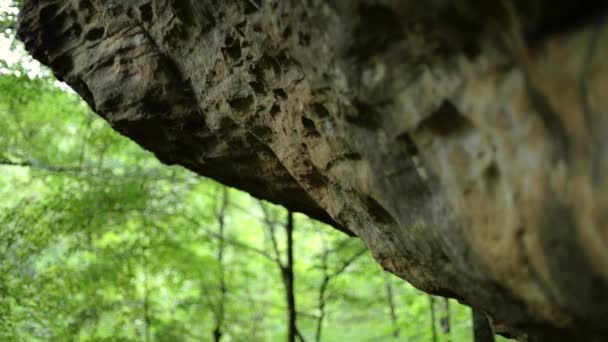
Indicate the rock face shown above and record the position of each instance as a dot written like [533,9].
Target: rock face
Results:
[465,142]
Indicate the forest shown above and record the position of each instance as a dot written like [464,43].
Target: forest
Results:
[99,241]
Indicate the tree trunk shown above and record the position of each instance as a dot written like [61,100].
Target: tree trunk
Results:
[464,141]
[444,321]
[391,305]
[286,268]
[327,278]
[482,331]
[433,318]
[292,330]
[322,299]
[145,254]
[221,305]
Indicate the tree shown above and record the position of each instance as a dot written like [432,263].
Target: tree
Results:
[482,331]
[391,304]
[220,312]
[328,276]
[446,135]
[286,268]
[433,313]
[444,321]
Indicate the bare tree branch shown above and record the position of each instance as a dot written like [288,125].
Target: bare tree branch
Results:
[54,168]
[221,219]
[391,304]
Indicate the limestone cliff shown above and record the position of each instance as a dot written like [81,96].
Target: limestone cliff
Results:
[466,142]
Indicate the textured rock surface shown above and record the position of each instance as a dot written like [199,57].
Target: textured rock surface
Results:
[465,143]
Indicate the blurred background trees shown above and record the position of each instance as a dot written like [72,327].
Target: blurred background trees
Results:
[101,242]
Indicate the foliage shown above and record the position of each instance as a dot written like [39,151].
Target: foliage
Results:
[101,242]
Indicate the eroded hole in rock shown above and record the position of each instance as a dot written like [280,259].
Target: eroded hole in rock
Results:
[387,30]
[194,123]
[319,110]
[258,87]
[186,88]
[95,33]
[48,13]
[315,179]
[377,211]
[259,109]
[227,124]
[492,176]
[240,26]
[175,35]
[304,38]
[206,19]
[275,110]
[262,132]
[85,6]
[146,12]
[309,126]
[242,104]
[62,65]
[112,103]
[287,32]
[81,88]
[257,71]
[76,30]
[148,132]
[183,10]
[446,120]
[350,156]
[283,59]
[252,6]
[87,11]
[265,64]
[54,26]
[280,93]
[364,116]
[232,47]
[410,146]
[151,104]
[564,17]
